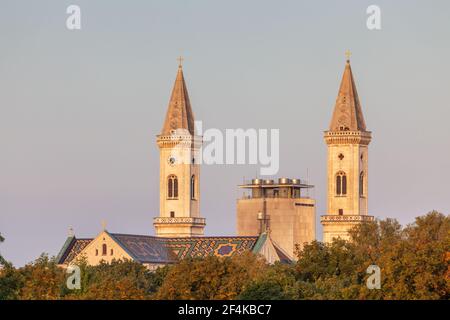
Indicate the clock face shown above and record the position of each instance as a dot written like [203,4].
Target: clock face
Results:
[171,160]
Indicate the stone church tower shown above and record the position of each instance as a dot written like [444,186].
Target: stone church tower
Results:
[347,140]
[179,149]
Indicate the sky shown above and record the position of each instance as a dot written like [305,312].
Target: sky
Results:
[80,109]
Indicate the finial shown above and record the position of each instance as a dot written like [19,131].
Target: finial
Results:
[104,225]
[180,61]
[348,55]
[71,233]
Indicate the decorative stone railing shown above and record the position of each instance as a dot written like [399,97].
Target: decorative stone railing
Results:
[345,137]
[180,140]
[176,220]
[346,218]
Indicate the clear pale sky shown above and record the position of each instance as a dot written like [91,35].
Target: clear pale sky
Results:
[80,109]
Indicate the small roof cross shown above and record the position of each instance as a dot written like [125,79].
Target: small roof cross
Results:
[348,54]
[180,61]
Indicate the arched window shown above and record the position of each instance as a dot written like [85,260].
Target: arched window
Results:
[361,184]
[172,187]
[192,187]
[104,250]
[341,184]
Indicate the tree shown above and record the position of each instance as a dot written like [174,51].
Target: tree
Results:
[413,262]
[211,277]
[416,268]
[42,279]
[277,282]
[10,279]
[328,271]
[263,290]
[10,282]
[2,260]
[318,260]
[119,279]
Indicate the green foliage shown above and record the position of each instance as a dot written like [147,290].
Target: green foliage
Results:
[10,283]
[263,290]
[122,280]
[414,263]
[210,278]
[2,260]
[276,282]
[41,280]
[416,266]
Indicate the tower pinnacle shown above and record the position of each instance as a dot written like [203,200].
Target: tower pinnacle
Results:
[347,115]
[179,112]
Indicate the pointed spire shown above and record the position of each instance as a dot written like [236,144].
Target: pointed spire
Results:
[347,110]
[179,113]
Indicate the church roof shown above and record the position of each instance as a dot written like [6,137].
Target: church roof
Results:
[347,113]
[150,249]
[282,255]
[145,249]
[179,112]
[71,248]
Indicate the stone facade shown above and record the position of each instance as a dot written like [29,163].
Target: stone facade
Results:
[179,185]
[280,208]
[347,163]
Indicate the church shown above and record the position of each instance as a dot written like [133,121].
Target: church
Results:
[271,222]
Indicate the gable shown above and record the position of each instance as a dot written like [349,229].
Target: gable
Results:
[103,247]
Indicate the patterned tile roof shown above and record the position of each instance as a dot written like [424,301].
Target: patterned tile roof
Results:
[150,249]
[72,247]
[209,246]
[145,249]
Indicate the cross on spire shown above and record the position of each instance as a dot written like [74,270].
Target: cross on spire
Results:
[348,55]
[180,61]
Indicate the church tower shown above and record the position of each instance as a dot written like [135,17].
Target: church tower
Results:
[347,140]
[179,150]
